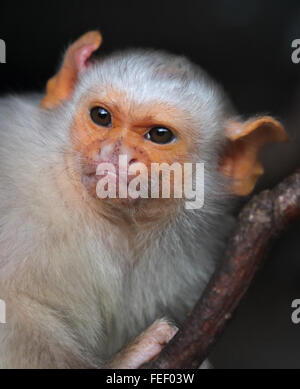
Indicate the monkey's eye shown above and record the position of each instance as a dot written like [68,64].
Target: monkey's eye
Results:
[160,135]
[101,116]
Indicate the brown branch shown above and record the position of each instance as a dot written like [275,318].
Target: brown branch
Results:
[262,219]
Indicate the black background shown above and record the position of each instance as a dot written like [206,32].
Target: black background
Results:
[246,46]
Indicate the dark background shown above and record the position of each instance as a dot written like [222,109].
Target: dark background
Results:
[246,46]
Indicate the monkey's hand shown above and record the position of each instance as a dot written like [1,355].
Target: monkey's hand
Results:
[145,347]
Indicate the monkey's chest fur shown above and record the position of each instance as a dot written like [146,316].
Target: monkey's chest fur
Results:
[115,291]
[99,292]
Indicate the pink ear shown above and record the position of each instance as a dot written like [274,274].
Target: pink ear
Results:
[60,87]
[82,55]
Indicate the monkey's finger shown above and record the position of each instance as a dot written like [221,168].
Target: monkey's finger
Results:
[145,347]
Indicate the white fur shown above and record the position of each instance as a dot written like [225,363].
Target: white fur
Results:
[78,287]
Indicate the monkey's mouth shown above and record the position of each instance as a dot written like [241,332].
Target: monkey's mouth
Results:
[108,185]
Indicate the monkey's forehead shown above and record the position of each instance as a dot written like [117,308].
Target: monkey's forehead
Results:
[153,76]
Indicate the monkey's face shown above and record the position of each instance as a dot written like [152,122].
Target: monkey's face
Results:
[112,128]
[113,121]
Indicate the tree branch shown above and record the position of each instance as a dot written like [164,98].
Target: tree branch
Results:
[259,222]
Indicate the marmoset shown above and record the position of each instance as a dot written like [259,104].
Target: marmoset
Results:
[84,278]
